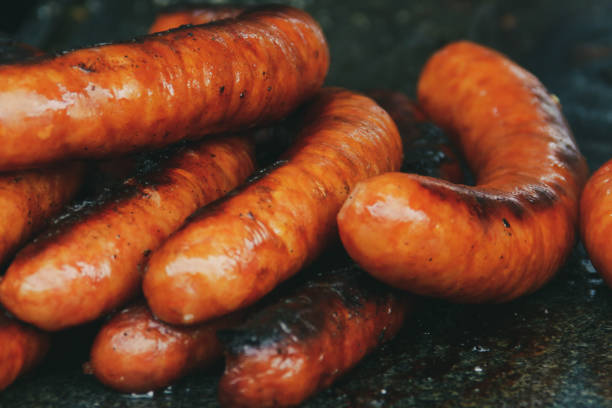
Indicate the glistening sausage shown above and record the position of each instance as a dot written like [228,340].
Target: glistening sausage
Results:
[502,238]
[233,253]
[195,15]
[91,262]
[595,215]
[160,88]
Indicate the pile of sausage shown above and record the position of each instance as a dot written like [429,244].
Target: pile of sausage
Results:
[182,256]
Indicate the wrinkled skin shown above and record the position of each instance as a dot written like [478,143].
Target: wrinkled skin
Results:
[158,89]
[500,239]
[230,255]
[195,15]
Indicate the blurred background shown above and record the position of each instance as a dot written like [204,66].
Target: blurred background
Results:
[552,348]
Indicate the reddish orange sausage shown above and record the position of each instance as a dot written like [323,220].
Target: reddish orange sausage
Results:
[91,263]
[195,15]
[134,352]
[502,238]
[21,348]
[301,344]
[232,254]
[595,225]
[160,88]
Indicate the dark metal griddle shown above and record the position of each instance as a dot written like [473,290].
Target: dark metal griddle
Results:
[549,349]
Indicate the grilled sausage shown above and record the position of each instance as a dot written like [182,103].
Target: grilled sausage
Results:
[595,225]
[195,15]
[29,198]
[21,348]
[502,238]
[160,88]
[91,263]
[134,352]
[232,254]
[288,351]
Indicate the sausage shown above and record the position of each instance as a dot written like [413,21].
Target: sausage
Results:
[134,352]
[230,255]
[194,15]
[91,262]
[28,199]
[595,226]
[112,99]
[293,348]
[21,348]
[497,240]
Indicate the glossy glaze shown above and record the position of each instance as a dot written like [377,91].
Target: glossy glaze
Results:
[195,15]
[232,254]
[504,237]
[161,88]
[91,262]
[595,216]
[134,352]
[21,348]
[291,349]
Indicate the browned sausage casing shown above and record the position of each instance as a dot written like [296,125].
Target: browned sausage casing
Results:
[134,352]
[502,238]
[301,344]
[161,88]
[595,216]
[21,347]
[194,16]
[232,254]
[91,263]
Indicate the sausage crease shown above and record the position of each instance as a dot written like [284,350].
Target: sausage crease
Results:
[595,215]
[134,352]
[230,255]
[195,15]
[91,262]
[161,88]
[504,237]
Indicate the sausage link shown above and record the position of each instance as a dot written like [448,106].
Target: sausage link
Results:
[91,263]
[161,88]
[194,15]
[595,225]
[288,351]
[21,348]
[232,254]
[134,352]
[502,238]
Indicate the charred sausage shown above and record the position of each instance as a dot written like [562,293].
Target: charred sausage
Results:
[595,225]
[21,348]
[232,254]
[161,88]
[134,352]
[495,241]
[91,262]
[195,15]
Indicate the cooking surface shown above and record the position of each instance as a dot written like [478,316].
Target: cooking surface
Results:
[552,348]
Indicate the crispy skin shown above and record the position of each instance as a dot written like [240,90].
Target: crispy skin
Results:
[134,352]
[504,237]
[232,254]
[91,263]
[195,15]
[21,348]
[161,88]
[288,351]
[595,215]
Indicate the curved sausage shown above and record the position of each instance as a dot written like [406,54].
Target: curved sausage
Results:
[91,263]
[161,88]
[134,352]
[232,254]
[195,15]
[288,351]
[595,225]
[21,348]
[502,238]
